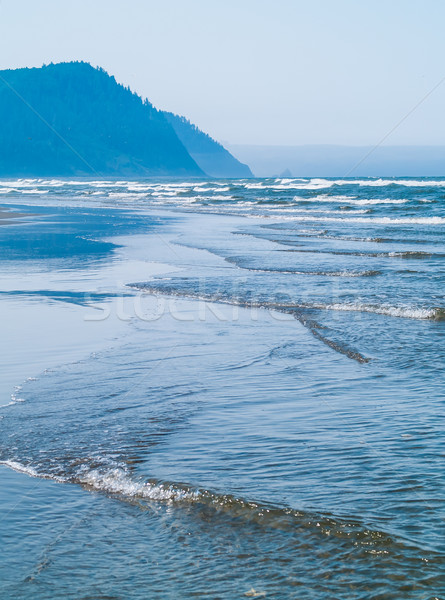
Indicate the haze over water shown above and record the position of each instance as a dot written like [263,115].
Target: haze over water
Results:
[268,415]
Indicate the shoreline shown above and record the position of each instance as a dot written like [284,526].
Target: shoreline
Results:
[212,396]
[7,216]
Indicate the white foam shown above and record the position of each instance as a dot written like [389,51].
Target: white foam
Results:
[12,464]
[15,395]
[312,184]
[320,273]
[25,190]
[392,311]
[123,195]
[320,183]
[386,182]
[117,481]
[375,220]
[137,187]
[255,186]
[405,183]
[365,201]
[353,200]
[16,466]
[163,193]
[113,481]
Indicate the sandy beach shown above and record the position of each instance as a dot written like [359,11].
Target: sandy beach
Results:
[182,403]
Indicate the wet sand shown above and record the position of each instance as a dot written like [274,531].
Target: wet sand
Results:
[7,215]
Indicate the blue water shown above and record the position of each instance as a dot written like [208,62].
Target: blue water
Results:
[269,420]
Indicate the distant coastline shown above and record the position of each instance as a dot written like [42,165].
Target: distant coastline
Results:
[342,161]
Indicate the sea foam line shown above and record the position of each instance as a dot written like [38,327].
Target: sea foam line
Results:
[407,312]
[374,220]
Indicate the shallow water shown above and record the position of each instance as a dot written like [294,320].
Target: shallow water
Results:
[269,412]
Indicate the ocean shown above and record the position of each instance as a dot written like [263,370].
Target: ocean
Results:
[222,389]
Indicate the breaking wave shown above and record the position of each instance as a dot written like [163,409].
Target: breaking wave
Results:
[406,312]
[119,483]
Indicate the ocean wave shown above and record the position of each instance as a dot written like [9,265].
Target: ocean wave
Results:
[120,484]
[371,220]
[164,193]
[352,200]
[407,312]
[388,182]
[123,195]
[414,254]
[25,191]
[15,396]
[11,403]
[118,481]
[293,209]
[212,189]
[316,183]
[326,235]
[30,470]
[313,183]
[344,273]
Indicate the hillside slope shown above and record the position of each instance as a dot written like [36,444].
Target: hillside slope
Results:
[211,156]
[70,119]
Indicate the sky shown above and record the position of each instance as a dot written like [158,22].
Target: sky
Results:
[281,72]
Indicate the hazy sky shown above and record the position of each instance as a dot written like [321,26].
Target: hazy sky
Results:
[255,71]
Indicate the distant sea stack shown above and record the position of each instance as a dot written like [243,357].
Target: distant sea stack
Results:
[71,119]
